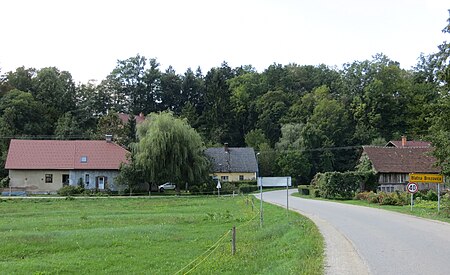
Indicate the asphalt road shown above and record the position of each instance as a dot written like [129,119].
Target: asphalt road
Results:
[363,240]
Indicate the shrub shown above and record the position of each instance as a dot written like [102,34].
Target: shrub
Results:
[431,195]
[396,198]
[337,185]
[420,194]
[228,188]
[70,190]
[446,204]
[404,197]
[4,182]
[247,188]
[316,193]
[304,189]
[370,197]
[210,188]
[80,182]
[202,189]
[245,182]
[391,199]
[362,196]
[194,190]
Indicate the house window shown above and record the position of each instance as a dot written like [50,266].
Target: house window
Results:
[86,179]
[387,188]
[83,159]
[224,178]
[48,178]
[241,177]
[65,179]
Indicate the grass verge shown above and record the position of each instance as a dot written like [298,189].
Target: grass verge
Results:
[422,208]
[155,236]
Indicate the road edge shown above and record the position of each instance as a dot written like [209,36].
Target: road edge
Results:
[341,256]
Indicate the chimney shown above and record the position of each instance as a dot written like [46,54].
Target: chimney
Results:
[108,138]
[403,141]
[225,146]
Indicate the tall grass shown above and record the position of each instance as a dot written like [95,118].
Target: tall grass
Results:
[153,236]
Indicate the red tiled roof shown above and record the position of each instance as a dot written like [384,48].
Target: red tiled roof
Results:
[401,159]
[124,117]
[64,154]
[409,143]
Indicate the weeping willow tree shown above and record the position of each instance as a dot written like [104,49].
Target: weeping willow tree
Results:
[169,149]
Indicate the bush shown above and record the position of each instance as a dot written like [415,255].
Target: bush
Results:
[362,196]
[316,193]
[202,189]
[228,188]
[446,204]
[395,198]
[4,182]
[195,190]
[245,182]
[247,188]
[337,185]
[80,182]
[70,190]
[304,189]
[391,199]
[370,197]
[431,195]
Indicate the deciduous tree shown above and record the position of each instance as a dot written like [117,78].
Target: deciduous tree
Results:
[171,150]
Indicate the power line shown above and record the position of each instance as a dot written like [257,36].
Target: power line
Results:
[337,148]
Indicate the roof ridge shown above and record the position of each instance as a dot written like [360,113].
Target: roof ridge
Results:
[392,147]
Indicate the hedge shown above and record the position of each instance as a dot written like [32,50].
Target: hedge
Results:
[337,185]
[247,188]
[70,190]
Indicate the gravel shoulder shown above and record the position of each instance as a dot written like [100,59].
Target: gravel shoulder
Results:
[341,257]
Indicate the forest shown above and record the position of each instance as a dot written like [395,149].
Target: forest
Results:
[303,119]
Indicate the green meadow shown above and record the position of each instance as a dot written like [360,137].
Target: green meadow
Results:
[169,235]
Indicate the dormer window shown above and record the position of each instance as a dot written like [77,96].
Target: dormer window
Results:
[83,159]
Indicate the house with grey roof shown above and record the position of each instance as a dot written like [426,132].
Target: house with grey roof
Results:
[232,163]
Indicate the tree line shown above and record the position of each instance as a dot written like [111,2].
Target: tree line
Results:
[303,119]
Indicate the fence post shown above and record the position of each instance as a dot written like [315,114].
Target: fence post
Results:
[233,240]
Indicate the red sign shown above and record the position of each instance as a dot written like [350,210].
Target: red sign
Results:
[412,187]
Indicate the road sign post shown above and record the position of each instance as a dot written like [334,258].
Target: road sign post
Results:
[261,215]
[439,197]
[412,188]
[429,178]
[218,188]
[287,195]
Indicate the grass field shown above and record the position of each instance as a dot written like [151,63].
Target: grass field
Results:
[154,236]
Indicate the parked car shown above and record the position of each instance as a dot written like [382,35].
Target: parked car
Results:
[167,186]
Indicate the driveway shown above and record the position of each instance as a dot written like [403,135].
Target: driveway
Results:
[363,240]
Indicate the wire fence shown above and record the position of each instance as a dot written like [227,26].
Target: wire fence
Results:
[191,266]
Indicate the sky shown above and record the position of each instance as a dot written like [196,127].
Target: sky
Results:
[87,37]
